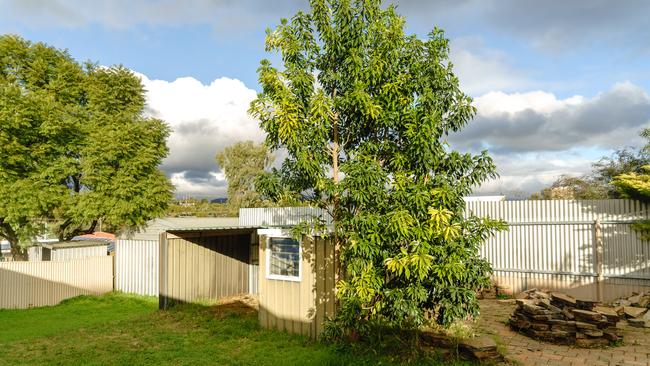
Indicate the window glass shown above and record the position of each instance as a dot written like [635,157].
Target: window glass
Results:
[284,257]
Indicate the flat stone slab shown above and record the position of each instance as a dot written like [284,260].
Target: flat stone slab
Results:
[634,312]
[480,348]
[605,310]
[563,298]
[587,315]
[639,323]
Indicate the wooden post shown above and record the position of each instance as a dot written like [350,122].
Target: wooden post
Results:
[598,263]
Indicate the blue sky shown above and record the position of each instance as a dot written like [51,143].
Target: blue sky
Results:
[558,84]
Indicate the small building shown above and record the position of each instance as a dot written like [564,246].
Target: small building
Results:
[67,250]
[293,278]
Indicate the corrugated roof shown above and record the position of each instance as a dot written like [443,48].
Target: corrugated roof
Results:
[160,225]
[215,228]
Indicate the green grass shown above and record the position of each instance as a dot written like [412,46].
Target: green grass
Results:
[119,329]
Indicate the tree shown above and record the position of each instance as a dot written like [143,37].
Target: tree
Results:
[76,148]
[622,161]
[636,185]
[573,188]
[363,111]
[200,208]
[598,183]
[243,163]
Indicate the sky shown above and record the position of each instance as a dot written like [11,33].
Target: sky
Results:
[557,84]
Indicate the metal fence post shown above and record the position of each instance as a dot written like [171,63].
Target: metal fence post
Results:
[598,244]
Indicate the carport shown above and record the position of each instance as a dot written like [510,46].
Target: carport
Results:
[207,264]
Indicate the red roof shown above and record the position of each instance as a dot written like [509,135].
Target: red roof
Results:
[99,235]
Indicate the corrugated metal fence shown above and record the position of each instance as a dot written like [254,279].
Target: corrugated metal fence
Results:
[29,284]
[137,266]
[586,248]
[280,216]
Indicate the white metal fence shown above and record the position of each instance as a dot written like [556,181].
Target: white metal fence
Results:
[585,248]
[137,266]
[29,284]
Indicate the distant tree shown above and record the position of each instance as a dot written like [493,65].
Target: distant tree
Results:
[363,111]
[200,208]
[243,163]
[598,183]
[76,149]
[572,188]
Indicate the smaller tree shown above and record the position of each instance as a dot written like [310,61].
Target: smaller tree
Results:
[626,160]
[572,188]
[243,163]
[636,185]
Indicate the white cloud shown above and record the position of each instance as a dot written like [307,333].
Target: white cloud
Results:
[539,121]
[522,174]
[497,103]
[535,137]
[204,119]
[481,69]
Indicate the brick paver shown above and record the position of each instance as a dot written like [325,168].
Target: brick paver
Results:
[635,349]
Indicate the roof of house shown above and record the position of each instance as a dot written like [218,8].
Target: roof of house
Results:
[157,226]
[97,235]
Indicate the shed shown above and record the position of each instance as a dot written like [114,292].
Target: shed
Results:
[293,278]
[68,250]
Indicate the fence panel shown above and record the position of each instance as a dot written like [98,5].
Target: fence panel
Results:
[31,284]
[552,244]
[137,266]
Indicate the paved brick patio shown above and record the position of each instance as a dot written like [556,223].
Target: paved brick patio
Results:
[526,351]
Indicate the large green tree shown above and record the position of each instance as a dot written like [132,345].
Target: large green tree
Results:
[242,163]
[364,111]
[75,147]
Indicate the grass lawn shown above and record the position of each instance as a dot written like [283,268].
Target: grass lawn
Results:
[118,329]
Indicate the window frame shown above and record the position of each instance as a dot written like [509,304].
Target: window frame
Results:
[280,234]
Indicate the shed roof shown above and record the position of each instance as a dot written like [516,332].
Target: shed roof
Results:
[74,244]
[214,228]
[154,227]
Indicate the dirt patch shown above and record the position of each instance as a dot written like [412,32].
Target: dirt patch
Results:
[239,305]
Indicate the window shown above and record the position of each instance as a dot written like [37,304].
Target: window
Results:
[284,259]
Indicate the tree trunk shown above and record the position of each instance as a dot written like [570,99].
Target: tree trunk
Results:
[335,178]
[7,232]
[18,253]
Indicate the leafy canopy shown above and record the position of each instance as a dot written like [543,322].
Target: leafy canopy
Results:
[243,163]
[363,111]
[76,148]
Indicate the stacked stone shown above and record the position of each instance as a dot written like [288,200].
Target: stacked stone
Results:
[636,308]
[559,318]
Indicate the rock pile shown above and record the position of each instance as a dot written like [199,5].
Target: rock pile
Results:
[559,318]
[636,308]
